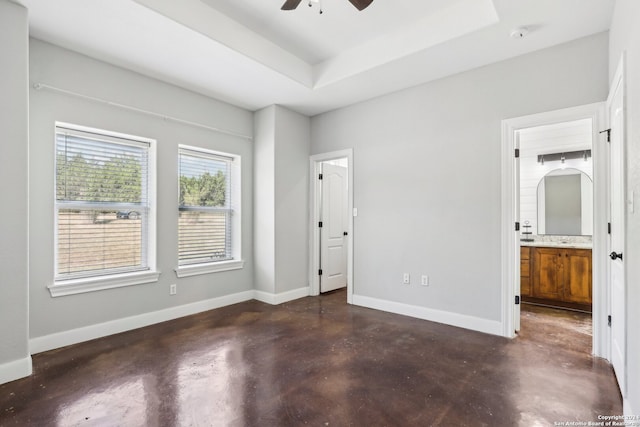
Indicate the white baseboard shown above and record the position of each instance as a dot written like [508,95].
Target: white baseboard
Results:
[275,299]
[15,370]
[448,318]
[74,336]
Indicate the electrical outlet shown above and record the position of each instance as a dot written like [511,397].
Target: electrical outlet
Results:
[406,278]
[173,289]
[425,280]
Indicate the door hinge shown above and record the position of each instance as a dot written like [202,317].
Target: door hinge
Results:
[608,228]
[609,320]
[320,224]
[608,131]
[320,176]
[517,153]
[517,299]
[320,272]
[517,226]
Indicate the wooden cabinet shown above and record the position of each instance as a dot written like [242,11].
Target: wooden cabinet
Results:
[525,271]
[577,279]
[548,273]
[557,276]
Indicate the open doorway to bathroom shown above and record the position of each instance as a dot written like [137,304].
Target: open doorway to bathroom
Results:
[556,229]
[540,276]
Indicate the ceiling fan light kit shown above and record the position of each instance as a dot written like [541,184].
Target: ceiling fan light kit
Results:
[293,4]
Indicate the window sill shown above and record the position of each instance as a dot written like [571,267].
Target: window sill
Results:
[196,269]
[91,284]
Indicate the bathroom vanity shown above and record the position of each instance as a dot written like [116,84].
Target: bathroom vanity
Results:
[556,274]
[556,240]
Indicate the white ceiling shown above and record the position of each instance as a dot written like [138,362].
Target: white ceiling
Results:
[252,54]
[315,38]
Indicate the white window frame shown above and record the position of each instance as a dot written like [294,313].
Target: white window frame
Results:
[62,287]
[236,262]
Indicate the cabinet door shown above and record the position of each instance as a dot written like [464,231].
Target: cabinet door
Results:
[548,273]
[577,266]
[525,271]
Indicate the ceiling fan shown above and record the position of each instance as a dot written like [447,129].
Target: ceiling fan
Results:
[359,4]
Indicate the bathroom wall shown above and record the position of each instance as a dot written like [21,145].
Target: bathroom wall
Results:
[557,138]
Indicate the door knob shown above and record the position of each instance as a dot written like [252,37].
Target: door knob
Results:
[614,255]
[345,234]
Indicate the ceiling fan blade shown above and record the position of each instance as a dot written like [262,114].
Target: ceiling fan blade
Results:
[290,4]
[361,4]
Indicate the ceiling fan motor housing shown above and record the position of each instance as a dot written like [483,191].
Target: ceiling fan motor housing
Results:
[293,4]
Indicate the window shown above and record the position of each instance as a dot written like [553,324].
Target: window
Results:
[104,215]
[208,230]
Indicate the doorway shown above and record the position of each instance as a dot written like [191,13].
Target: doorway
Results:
[333,224]
[331,221]
[513,222]
[555,196]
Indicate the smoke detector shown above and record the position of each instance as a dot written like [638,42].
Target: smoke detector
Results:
[520,32]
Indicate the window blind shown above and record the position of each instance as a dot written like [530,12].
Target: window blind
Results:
[205,209]
[102,204]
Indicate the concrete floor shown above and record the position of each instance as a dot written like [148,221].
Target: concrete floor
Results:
[319,362]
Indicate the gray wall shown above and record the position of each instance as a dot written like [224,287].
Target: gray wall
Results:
[264,243]
[281,152]
[293,140]
[625,36]
[61,68]
[427,173]
[14,215]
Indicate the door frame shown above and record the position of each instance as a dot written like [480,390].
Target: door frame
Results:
[314,217]
[595,112]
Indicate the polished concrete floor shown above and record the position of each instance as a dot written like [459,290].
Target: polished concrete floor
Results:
[319,362]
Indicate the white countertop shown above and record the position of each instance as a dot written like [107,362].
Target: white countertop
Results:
[558,244]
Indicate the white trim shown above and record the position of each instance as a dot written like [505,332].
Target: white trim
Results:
[15,370]
[507,224]
[213,267]
[103,134]
[509,268]
[99,283]
[314,206]
[74,336]
[234,178]
[275,299]
[62,287]
[478,324]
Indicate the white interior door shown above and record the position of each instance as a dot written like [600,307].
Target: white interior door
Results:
[333,234]
[615,107]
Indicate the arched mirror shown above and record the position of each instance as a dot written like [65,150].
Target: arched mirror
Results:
[565,203]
